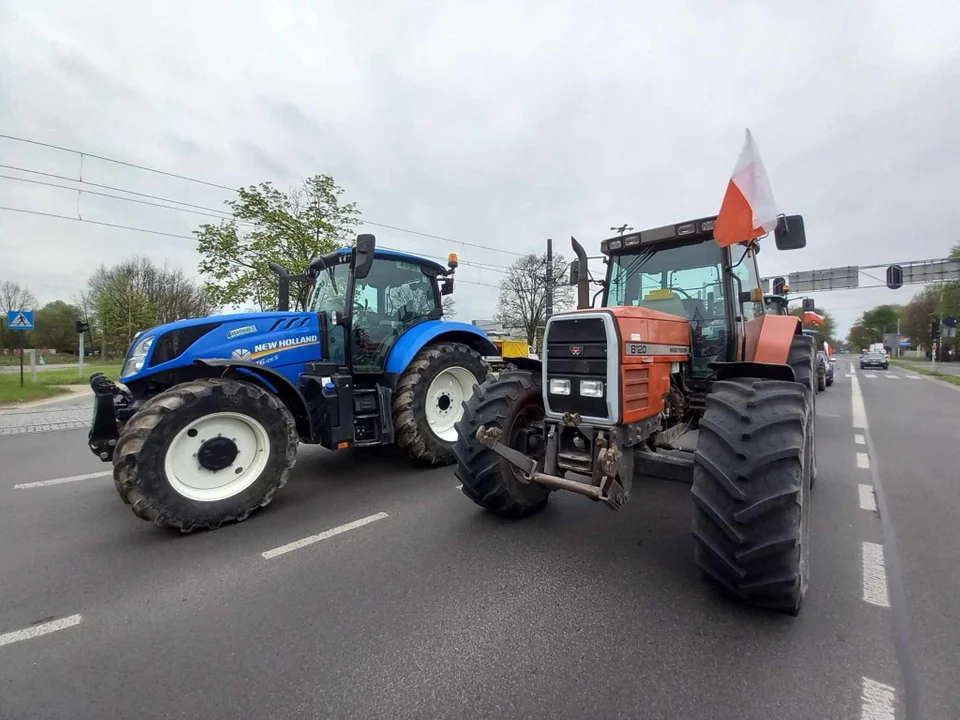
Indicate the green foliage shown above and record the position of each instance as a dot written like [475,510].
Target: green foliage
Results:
[56,325]
[287,228]
[122,311]
[872,324]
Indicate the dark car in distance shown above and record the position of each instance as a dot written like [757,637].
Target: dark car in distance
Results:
[875,360]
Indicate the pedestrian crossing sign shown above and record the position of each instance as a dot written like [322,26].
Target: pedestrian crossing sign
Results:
[20,320]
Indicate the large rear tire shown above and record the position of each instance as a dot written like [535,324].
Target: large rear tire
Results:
[430,397]
[512,402]
[751,486]
[204,453]
[803,359]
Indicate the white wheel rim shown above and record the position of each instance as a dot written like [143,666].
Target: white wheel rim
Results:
[190,479]
[444,401]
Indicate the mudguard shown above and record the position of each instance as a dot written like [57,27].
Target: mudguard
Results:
[432,331]
[275,383]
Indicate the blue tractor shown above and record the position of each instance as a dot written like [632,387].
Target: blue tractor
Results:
[206,424]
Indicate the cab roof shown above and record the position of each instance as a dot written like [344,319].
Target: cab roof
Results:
[403,257]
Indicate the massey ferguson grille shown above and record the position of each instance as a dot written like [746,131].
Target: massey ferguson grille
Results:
[577,346]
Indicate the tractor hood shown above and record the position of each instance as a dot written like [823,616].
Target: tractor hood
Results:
[271,338]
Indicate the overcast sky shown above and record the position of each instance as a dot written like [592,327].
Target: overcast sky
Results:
[498,123]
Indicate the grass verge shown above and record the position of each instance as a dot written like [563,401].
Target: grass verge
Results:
[952,379]
[49,383]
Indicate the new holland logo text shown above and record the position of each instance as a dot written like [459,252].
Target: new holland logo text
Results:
[281,345]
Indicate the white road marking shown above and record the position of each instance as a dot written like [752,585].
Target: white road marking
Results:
[850,374]
[876,701]
[459,487]
[863,461]
[859,411]
[823,414]
[867,499]
[283,549]
[869,375]
[61,481]
[859,439]
[874,575]
[41,629]
[912,377]
[893,377]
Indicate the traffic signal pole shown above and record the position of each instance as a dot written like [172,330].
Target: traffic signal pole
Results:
[81,354]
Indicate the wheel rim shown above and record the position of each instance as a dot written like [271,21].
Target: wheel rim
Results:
[445,397]
[217,456]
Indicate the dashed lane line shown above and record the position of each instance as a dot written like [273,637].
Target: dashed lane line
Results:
[876,700]
[41,629]
[863,461]
[859,411]
[859,439]
[326,534]
[893,377]
[870,375]
[867,499]
[874,575]
[61,481]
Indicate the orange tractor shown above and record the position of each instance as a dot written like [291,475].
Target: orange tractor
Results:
[679,374]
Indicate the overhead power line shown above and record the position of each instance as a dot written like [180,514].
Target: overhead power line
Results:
[198,181]
[173,235]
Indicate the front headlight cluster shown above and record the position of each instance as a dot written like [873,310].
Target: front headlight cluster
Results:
[588,388]
[138,357]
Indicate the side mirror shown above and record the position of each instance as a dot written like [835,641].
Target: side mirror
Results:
[808,305]
[778,285]
[363,255]
[789,233]
[574,272]
[446,287]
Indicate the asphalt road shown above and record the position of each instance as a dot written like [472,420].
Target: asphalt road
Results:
[436,609]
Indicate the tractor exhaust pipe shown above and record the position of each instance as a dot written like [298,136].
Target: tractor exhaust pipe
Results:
[283,302]
[582,276]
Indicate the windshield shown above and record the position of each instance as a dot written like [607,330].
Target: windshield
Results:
[682,279]
[330,289]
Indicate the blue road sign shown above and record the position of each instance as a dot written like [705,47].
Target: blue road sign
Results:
[20,320]
[950,321]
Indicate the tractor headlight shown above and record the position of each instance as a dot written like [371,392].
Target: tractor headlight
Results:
[559,387]
[138,356]
[591,388]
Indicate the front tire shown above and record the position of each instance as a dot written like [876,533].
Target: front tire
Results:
[512,402]
[821,379]
[751,487]
[430,397]
[204,453]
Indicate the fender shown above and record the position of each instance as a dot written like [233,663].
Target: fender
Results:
[414,339]
[275,383]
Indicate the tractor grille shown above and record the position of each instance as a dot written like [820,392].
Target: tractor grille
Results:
[576,350]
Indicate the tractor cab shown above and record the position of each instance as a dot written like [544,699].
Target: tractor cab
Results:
[370,298]
[680,270]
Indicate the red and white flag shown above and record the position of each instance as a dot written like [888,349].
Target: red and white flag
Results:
[748,209]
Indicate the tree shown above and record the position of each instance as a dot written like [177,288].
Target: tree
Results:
[522,304]
[56,324]
[123,310]
[135,294]
[13,296]
[872,325]
[288,228]
[449,306]
[917,315]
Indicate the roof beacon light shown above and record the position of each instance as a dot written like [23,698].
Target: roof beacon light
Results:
[452,260]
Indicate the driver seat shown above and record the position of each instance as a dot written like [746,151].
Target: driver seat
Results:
[665,301]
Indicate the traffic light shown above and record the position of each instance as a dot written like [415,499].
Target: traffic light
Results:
[82,327]
[894,277]
[935,330]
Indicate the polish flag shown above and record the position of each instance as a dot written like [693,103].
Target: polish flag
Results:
[748,210]
[827,349]
[812,317]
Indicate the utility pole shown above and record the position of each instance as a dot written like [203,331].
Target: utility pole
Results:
[549,277]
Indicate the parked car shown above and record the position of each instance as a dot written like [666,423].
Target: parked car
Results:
[875,360]
[824,371]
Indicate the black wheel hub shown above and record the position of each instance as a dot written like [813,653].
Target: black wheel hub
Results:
[217,453]
[443,402]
